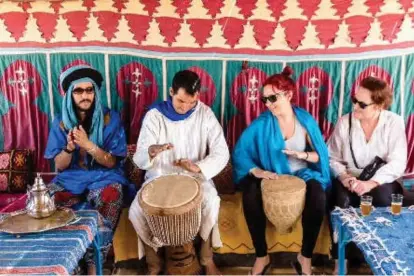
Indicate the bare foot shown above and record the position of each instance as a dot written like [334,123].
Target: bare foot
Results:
[306,264]
[260,264]
[212,269]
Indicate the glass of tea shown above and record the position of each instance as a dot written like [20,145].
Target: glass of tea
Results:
[396,203]
[366,205]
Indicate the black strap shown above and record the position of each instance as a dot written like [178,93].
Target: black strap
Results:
[350,141]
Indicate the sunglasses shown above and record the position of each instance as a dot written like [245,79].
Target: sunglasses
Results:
[361,104]
[80,91]
[271,98]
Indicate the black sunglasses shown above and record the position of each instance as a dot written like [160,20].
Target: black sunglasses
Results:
[361,104]
[79,90]
[271,98]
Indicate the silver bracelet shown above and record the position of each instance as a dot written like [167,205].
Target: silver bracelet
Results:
[92,150]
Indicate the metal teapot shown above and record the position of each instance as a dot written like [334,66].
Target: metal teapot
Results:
[39,203]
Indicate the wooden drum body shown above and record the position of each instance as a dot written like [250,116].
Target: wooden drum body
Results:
[172,207]
[283,201]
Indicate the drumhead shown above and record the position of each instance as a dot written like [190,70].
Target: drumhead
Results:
[285,183]
[170,191]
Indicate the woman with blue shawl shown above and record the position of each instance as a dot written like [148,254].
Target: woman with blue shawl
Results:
[283,140]
[87,143]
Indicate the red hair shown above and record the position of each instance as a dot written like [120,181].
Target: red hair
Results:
[282,81]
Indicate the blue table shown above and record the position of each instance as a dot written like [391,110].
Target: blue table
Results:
[53,252]
[387,241]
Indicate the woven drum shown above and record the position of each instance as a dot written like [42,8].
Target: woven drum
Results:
[283,201]
[182,260]
[172,207]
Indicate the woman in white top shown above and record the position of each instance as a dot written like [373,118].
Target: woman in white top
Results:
[374,132]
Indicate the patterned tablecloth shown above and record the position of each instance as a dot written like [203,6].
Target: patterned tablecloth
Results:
[387,241]
[52,252]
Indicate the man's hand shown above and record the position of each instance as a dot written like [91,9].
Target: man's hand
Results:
[187,165]
[363,187]
[259,173]
[71,143]
[154,150]
[81,138]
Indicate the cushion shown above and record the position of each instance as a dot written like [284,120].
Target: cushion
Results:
[224,181]
[16,170]
[132,172]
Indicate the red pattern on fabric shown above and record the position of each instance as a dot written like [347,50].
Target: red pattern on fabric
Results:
[108,22]
[77,22]
[314,93]
[232,29]
[54,269]
[25,5]
[309,7]
[245,96]
[21,84]
[85,228]
[109,194]
[201,29]
[359,27]
[208,87]
[119,4]
[47,24]
[15,23]
[294,31]
[374,6]
[142,93]
[406,4]
[390,25]
[213,7]
[56,5]
[181,6]
[139,25]
[276,7]
[151,6]
[65,198]
[246,7]
[341,6]
[263,31]
[169,28]
[326,29]
[88,4]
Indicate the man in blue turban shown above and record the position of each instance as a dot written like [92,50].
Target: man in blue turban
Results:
[87,143]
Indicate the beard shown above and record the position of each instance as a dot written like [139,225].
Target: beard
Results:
[82,109]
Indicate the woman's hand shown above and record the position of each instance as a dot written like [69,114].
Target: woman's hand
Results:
[297,154]
[363,187]
[259,173]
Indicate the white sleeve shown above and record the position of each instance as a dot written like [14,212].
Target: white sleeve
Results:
[148,136]
[336,148]
[218,155]
[397,154]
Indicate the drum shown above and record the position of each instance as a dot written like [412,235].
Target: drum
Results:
[182,260]
[172,208]
[283,201]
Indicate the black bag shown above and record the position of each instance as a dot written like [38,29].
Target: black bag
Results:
[369,171]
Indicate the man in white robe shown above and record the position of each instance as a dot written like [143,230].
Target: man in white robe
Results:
[181,135]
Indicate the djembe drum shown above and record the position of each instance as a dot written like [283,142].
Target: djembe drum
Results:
[172,207]
[283,201]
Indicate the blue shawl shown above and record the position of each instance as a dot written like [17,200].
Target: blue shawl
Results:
[167,109]
[261,145]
